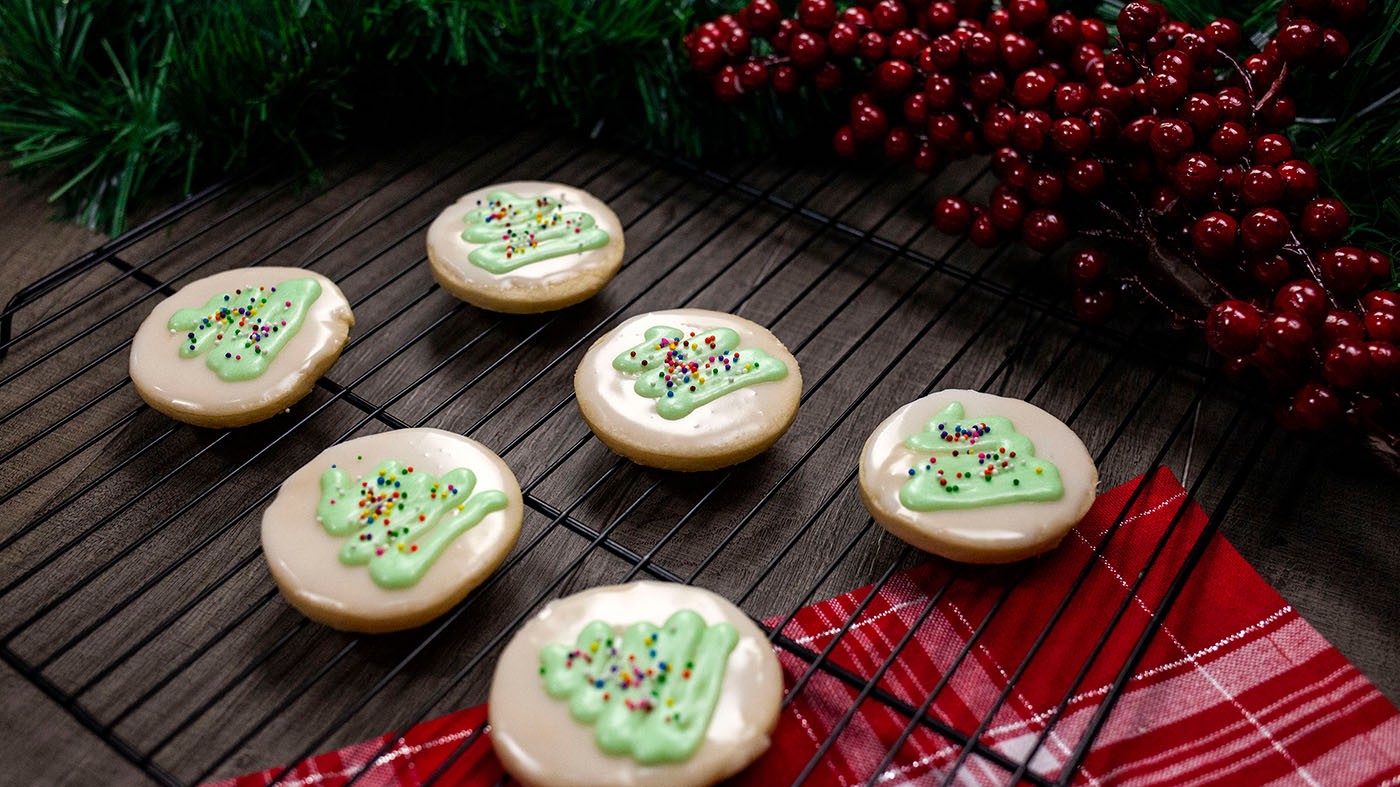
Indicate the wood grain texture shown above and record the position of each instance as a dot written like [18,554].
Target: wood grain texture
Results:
[132,576]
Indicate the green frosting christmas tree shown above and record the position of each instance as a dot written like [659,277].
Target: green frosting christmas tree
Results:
[973,463]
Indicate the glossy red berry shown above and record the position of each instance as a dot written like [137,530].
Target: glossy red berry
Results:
[1088,266]
[1094,31]
[980,50]
[1380,265]
[906,44]
[1229,142]
[784,78]
[869,123]
[1045,187]
[1044,230]
[1347,364]
[916,109]
[1028,14]
[1384,363]
[985,87]
[1070,136]
[1197,176]
[1214,234]
[1383,326]
[943,131]
[1234,105]
[1345,269]
[892,77]
[889,15]
[1201,111]
[1342,326]
[753,76]
[1007,209]
[1061,33]
[1104,125]
[762,16]
[1138,21]
[1304,298]
[1326,220]
[1030,131]
[952,215]
[1316,407]
[1271,272]
[1094,306]
[1299,40]
[1165,91]
[1034,88]
[807,50]
[940,17]
[1171,138]
[1119,69]
[940,91]
[899,144]
[1287,335]
[1334,51]
[982,232]
[1086,177]
[726,85]
[943,53]
[1017,52]
[1072,98]
[816,15]
[1300,182]
[706,55]
[871,46]
[842,39]
[844,142]
[1261,185]
[925,158]
[1232,328]
[1264,230]
[1226,34]
[1272,149]
[1278,112]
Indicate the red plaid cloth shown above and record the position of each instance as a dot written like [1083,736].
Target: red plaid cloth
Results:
[1235,689]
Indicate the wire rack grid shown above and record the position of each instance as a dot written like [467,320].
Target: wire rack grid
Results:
[133,589]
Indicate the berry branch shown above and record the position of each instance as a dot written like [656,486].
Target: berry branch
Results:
[1159,145]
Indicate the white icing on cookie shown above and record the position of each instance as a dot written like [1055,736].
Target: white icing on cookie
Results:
[998,533]
[729,429]
[545,285]
[306,560]
[542,745]
[188,389]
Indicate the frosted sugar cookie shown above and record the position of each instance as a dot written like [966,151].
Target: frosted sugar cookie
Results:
[688,389]
[389,531]
[239,346]
[976,477]
[647,683]
[525,247]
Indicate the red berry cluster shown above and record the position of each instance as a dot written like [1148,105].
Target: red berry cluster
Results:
[1164,141]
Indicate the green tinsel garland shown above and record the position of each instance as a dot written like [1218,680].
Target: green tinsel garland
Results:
[125,98]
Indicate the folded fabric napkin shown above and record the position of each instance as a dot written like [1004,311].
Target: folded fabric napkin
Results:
[1235,688]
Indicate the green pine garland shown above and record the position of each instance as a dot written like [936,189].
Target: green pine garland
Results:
[129,98]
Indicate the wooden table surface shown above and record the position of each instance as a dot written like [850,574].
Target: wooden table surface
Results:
[169,529]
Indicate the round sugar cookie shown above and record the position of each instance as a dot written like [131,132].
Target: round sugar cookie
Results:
[525,247]
[629,685]
[239,346]
[978,478]
[387,532]
[688,389]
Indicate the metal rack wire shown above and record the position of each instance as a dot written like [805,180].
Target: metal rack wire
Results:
[135,596]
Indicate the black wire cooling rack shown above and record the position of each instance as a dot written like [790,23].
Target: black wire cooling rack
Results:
[133,591]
